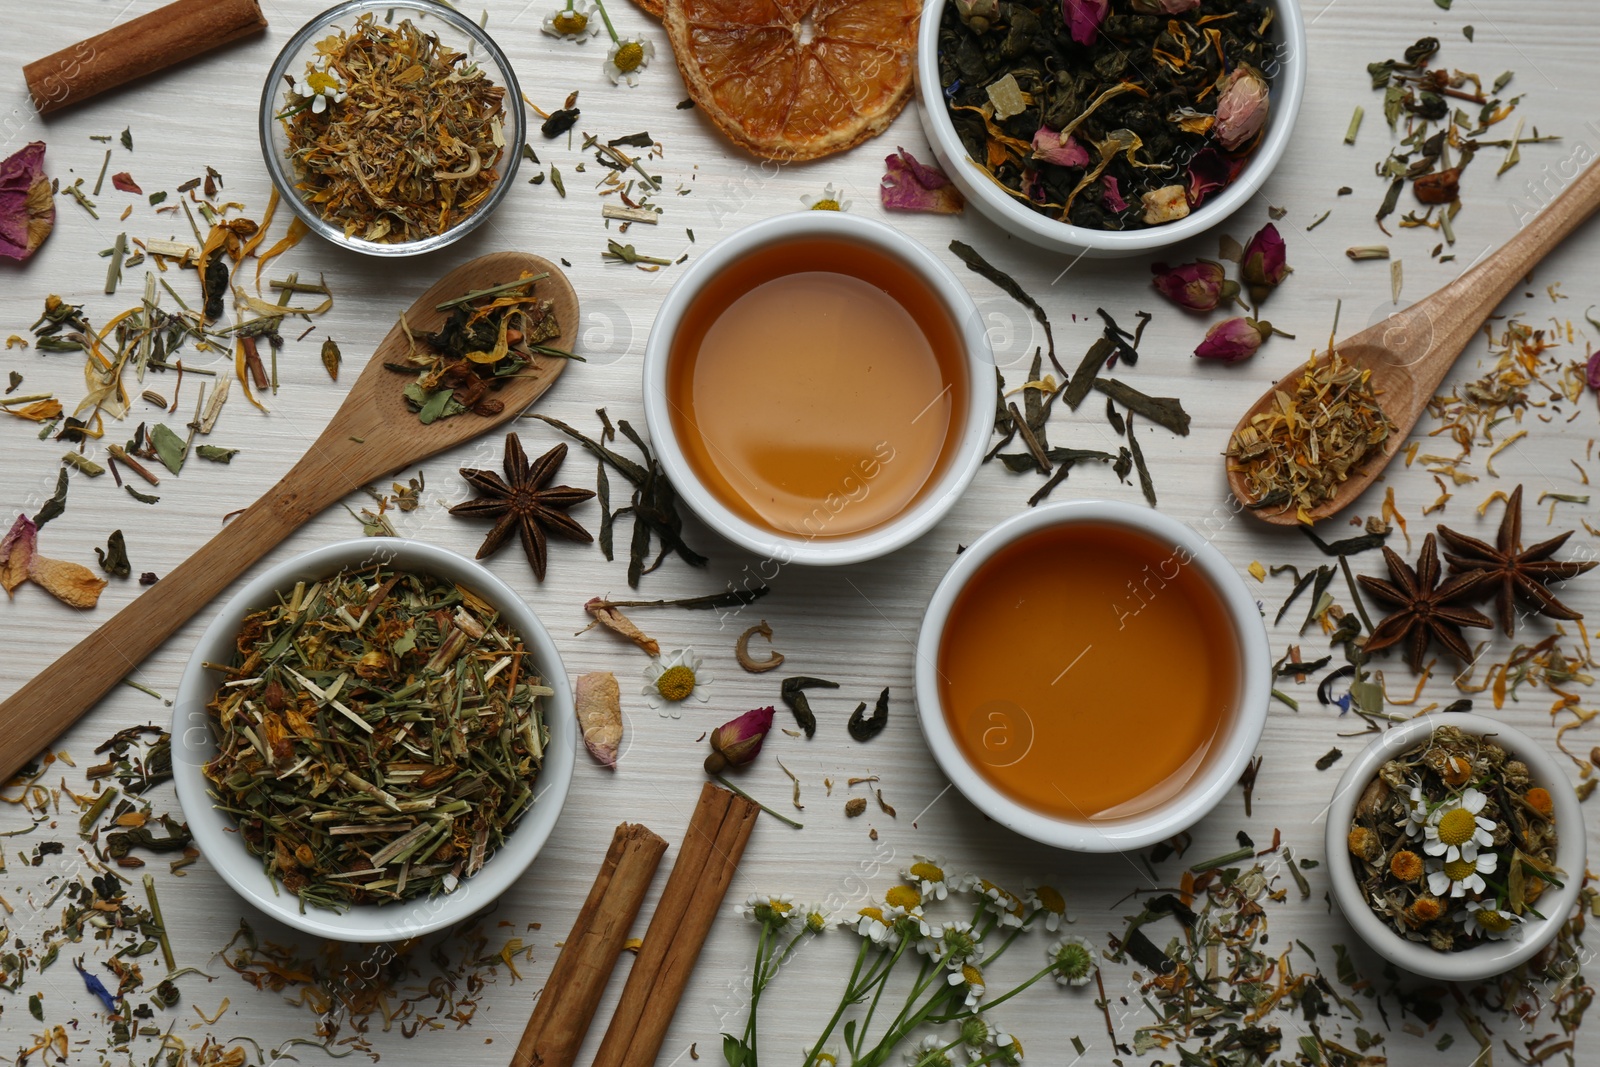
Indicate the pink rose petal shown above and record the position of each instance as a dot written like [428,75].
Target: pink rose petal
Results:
[1048,147]
[1083,18]
[27,206]
[912,186]
[16,553]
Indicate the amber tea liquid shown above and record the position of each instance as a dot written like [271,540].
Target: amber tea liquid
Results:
[818,387]
[1086,671]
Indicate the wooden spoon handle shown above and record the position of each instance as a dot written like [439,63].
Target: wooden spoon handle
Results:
[1466,303]
[46,706]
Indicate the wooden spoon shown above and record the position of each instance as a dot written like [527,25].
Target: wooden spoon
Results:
[1410,352]
[390,438]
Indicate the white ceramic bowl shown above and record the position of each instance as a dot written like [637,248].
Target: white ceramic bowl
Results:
[1288,86]
[1229,754]
[934,501]
[215,832]
[1491,957]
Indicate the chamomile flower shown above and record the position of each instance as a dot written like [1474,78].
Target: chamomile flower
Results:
[978,1035]
[929,1052]
[827,1057]
[575,22]
[674,678]
[1048,901]
[830,200]
[1003,904]
[320,85]
[815,917]
[958,943]
[773,911]
[1416,812]
[1071,960]
[1008,1051]
[1481,917]
[968,976]
[1461,876]
[628,56]
[928,875]
[873,923]
[1456,831]
[913,926]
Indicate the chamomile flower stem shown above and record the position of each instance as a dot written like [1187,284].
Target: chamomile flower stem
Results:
[997,1001]
[883,983]
[997,953]
[776,815]
[757,984]
[849,998]
[902,1027]
[612,30]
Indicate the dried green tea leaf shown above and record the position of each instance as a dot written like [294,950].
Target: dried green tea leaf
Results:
[57,502]
[1084,378]
[1163,410]
[969,255]
[216,454]
[170,448]
[1146,485]
[114,557]
[143,498]
[864,727]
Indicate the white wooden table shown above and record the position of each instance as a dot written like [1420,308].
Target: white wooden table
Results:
[852,624]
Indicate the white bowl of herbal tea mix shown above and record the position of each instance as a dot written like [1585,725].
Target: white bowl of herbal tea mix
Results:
[1456,847]
[373,740]
[1109,129]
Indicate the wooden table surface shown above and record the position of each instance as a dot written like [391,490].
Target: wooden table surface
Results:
[853,624]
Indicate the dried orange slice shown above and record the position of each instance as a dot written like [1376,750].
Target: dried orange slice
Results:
[796,79]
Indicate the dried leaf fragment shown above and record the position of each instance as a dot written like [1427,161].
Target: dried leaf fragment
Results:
[614,620]
[741,650]
[597,700]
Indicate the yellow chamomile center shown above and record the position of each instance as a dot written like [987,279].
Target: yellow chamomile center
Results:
[972,976]
[1050,899]
[571,22]
[927,872]
[902,896]
[875,914]
[825,205]
[629,56]
[676,683]
[1456,870]
[1457,826]
[321,82]
[1497,921]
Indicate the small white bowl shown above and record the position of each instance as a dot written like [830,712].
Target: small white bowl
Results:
[1491,957]
[216,833]
[934,501]
[1002,209]
[1228,755]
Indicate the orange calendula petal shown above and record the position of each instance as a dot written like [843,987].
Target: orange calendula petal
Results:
[70,583]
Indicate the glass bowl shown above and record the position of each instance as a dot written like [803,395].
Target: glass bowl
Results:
[455,32]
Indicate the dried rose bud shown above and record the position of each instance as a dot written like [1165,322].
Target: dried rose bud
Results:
[1083,18]
[1232,340]
[1198,286]
[1592,373]
[1049,147]
[733,744]
[1164,7]
[1264,263]
[1441,187]
[1166,204]
[1242,107]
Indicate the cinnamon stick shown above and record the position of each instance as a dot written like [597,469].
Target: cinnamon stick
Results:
[712,847]
[143,46]
[572,993]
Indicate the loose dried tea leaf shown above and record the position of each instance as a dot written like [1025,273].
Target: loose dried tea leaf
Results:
[612,618]
[864,727]
[1083,379]
[330,358]
[1163,410]
[1332,756]
[114,557]
[216,454]
[598,701]
[1290,459]
[1146,485]
[433,160]
[741,650]
[143,498]
[57,504]
[793,694]
[170,448]
[969,255]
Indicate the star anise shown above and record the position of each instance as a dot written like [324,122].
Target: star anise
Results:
[1425,610]
[521,501]
[1517,576]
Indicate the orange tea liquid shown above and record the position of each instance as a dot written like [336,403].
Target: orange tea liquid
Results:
[1086,670]
[817,387]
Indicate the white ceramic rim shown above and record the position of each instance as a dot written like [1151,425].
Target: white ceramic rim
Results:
[1230,754]
[1491,957]
[214,832]
[516,128]
[974,434]
[1288,88]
